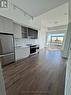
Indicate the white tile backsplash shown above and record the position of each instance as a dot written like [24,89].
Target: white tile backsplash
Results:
[23,42]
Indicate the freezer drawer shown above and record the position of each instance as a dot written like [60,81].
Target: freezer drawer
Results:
[8,59]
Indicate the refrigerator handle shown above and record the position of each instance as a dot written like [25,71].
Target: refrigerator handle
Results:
[5,55]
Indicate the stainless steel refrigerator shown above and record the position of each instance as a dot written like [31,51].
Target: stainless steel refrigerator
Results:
[7,48]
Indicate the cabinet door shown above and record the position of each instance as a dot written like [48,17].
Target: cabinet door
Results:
[24,32]
[30,33]
[33,34]
[7,25]
[21,53]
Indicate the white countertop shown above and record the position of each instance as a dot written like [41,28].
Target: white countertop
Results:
[21,47]
[25,46]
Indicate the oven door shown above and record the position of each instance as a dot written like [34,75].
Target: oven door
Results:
[32,50]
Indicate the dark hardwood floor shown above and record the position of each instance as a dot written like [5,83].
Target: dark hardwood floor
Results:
[40,74]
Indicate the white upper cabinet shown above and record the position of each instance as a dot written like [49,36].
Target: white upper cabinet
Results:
[17,30]
[6,25]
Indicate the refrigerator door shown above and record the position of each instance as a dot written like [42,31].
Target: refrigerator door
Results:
[7,47]
[6,44]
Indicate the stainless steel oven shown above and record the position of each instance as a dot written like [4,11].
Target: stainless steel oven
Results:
[32,49]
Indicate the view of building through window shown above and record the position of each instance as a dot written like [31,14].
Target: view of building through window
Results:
[55,39]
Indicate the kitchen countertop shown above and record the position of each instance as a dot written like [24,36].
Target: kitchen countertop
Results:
[21,47]
[26,46]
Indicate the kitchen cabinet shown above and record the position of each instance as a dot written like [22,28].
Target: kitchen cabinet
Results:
[22,52]
[24,32]
[29,33]
[6,25]
[32,33]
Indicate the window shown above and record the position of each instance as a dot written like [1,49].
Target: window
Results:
[56,39]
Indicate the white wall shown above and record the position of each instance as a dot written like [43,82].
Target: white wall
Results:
[68,69]
[67,42]
[68,77]
[68,35]
[42,38]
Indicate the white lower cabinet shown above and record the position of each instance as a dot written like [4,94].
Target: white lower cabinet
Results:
[22,52]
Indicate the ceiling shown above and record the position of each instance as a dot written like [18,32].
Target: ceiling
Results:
[38,7]
[55,17]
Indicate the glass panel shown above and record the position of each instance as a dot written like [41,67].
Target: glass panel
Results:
[55,39]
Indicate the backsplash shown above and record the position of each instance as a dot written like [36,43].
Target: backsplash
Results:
[24,42]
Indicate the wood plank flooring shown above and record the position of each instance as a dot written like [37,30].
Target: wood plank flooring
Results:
[40,74]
